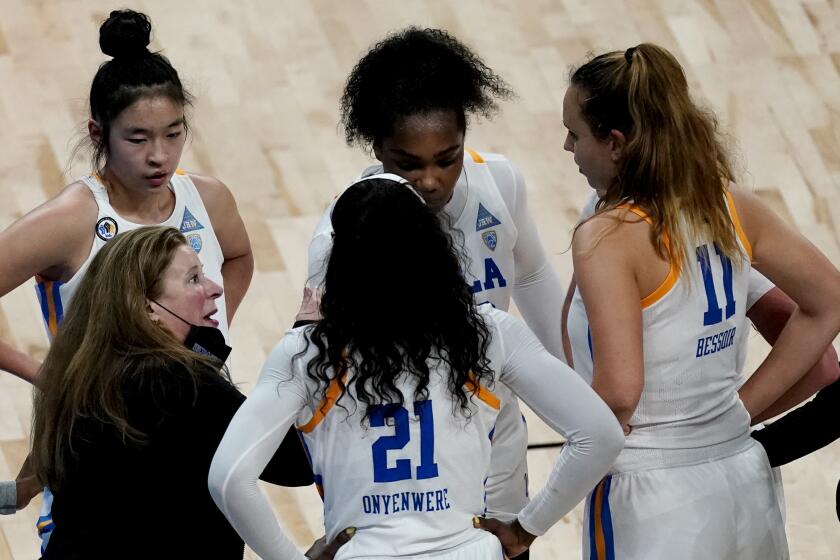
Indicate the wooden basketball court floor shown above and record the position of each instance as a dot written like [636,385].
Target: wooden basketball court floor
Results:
[267,76]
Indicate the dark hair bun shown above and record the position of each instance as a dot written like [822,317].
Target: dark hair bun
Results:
[125,33]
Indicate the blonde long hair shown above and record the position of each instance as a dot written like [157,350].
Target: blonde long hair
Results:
[106,340]
[674,165]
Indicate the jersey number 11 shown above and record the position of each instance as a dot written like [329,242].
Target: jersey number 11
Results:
[714,314]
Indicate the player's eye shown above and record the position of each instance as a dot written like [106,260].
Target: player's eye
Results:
[406,166]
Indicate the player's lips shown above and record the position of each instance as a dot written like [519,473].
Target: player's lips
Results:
[435,201]
[157,179]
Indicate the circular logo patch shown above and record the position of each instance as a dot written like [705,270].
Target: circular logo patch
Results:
[106,229]
[195,242]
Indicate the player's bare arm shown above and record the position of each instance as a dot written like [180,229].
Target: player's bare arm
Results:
[783,255]
[238,267]
[607,278]
[769,315]
[564,322]
[52,240]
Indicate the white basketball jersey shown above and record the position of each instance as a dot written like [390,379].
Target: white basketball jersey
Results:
[489,233]
[484,231]
[189,217]
[485,234]
[411,477]
[759,285]
[692,329]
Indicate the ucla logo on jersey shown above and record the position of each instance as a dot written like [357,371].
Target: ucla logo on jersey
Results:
[195,242]
[106,228]
[485,219]
[493,278]
[490,239]
[189,223]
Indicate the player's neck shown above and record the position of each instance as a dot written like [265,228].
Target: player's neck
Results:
[458,201]
[139,206]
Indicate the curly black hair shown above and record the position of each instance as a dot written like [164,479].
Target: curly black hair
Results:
[395,301]
[416,71]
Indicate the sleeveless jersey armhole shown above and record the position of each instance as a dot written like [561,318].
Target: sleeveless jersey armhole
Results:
[673,270]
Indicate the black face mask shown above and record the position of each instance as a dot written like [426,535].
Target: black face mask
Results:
[204,340]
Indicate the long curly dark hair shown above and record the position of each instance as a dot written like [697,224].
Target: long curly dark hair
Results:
[394,299]
[415,71]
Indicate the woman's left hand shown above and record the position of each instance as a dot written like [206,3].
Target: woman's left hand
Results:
[322,550]
[515,540]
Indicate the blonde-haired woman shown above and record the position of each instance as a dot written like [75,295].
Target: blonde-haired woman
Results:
[662,269]
[133,404]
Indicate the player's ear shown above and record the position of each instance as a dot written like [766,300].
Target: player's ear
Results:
[94,131]
[617,142]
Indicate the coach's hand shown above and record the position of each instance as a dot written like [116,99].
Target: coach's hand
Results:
[322,550]
[515,540]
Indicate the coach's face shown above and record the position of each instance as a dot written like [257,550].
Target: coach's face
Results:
[426,149]
[187,296]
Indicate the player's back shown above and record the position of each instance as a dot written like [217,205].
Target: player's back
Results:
[690,330]
[409,477]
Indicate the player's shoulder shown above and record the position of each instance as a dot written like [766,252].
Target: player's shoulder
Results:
[485,158]
[745,207]
[75,200]
[293,345]
[212,190]
[507,332]
[324,225]
[296,339]
[616,230]
[495,319]
[74,196]
[374,169]
[52,238]
[507,178]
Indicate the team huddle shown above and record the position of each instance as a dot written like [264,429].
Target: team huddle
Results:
[396,392]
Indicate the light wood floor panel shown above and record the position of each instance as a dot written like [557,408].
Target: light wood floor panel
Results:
[267,76]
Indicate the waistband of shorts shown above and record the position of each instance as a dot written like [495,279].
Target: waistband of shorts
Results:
[640,459]
[474,545]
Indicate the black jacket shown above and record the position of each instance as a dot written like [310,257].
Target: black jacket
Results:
[129,500]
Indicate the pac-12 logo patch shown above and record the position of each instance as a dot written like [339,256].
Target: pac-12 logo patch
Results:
[490,239]
[106,228]
[485,219]
[189,223]
[195,242]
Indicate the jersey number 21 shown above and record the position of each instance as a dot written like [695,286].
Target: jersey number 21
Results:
[402,434]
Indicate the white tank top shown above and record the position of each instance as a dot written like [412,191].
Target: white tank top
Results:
[189,217]
[489,234]
[691,335]
[411,475]
[484,231]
